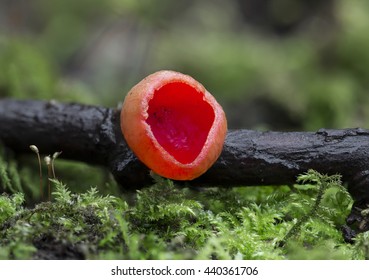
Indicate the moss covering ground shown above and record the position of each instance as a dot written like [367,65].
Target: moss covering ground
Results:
[165,221]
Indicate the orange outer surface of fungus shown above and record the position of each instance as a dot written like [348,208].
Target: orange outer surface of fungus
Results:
[173,125]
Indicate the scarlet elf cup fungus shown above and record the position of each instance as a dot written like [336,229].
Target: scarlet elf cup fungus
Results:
[173,125]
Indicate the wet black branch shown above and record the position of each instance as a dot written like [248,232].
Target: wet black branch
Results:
[92,134]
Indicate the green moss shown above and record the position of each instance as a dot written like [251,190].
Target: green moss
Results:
[166,221]
[10,180]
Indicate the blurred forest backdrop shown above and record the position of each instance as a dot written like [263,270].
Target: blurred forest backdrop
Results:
[272,64]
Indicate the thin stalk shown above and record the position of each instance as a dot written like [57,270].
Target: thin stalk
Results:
[49,174]
[35,150]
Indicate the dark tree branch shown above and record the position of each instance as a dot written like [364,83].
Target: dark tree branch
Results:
[92,134]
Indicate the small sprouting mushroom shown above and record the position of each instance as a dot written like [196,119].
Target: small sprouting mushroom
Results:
[173,125]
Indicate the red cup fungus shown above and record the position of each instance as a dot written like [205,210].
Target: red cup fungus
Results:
[173,125]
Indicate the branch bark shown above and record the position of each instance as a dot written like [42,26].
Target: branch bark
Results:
[92,134]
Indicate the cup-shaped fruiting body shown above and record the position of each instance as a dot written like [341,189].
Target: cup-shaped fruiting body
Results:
[173,125]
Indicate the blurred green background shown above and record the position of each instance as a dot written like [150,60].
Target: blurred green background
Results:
[272,64]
